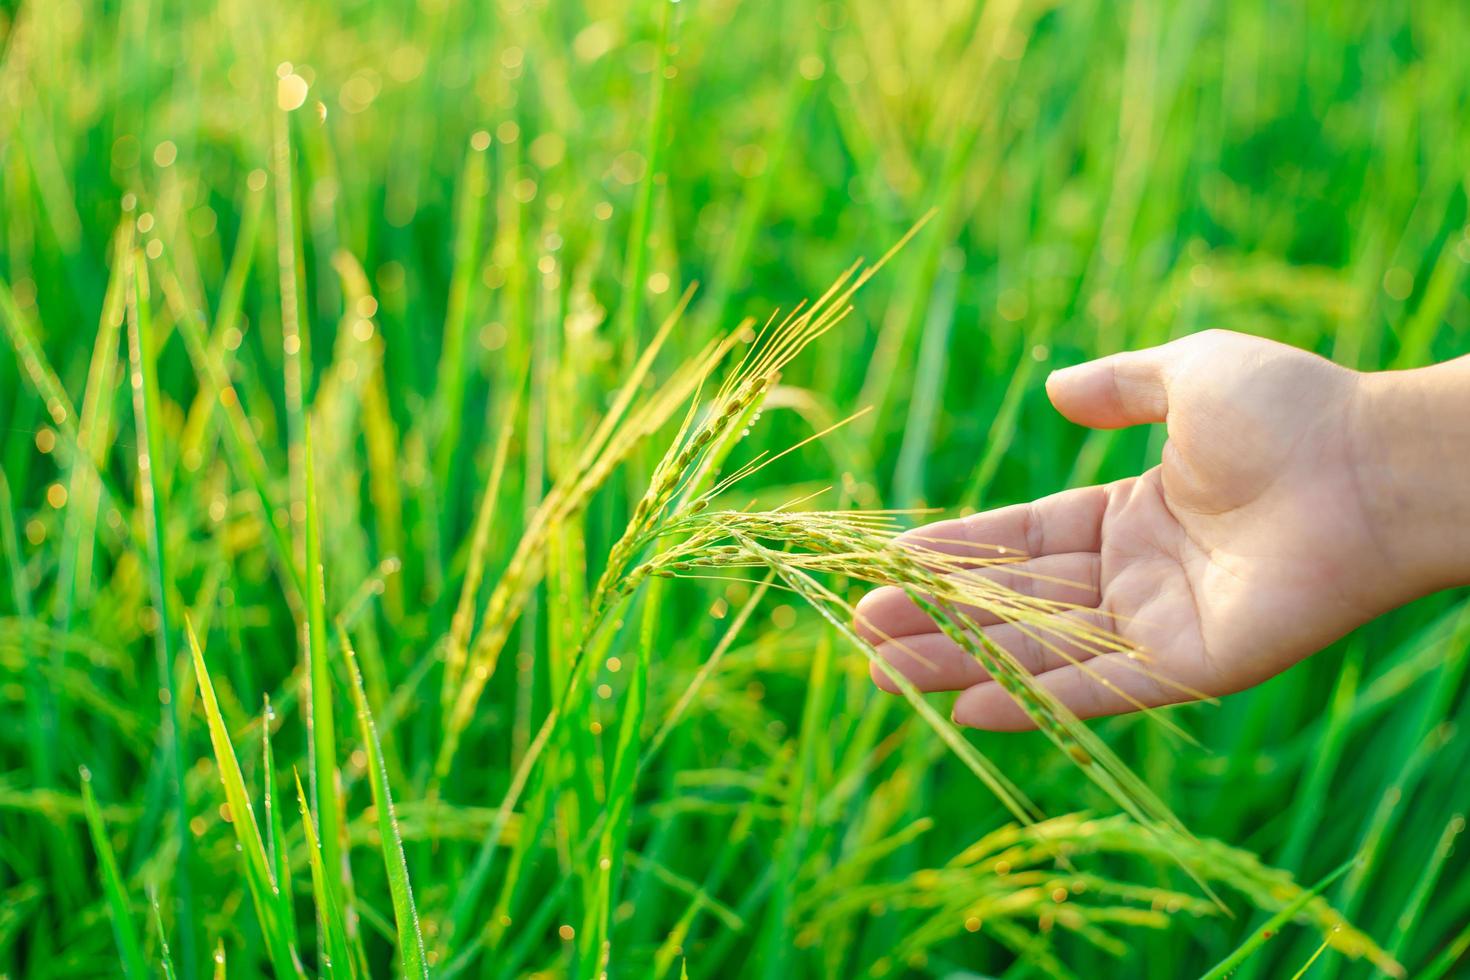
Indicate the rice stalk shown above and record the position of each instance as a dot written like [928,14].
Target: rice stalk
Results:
[39,691]
[457,649]
[859,545]
[1013,873]
[839,615]
[1447,958]
[686,464]
[624,426]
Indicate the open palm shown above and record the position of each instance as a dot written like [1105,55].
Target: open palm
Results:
[1243,552]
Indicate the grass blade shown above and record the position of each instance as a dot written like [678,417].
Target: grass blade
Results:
[142,355]
[1443,963]
[339,962]
[277,857]
[1424,887]
[321,721]
[405,912]
[128,945]
[262,884]
[1263,935]
[165,956]
[637,251]
[1322,948]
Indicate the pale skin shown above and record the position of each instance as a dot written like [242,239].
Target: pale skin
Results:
[1296,500]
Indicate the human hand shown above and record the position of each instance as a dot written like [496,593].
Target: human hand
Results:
[1295,500]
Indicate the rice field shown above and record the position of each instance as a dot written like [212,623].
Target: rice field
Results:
[443,444]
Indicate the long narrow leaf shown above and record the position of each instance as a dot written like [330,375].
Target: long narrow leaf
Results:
[263,889]
[339,961]
[129,947]
[147,410]
[321,717]
[1261,936]
[405,912]
[165,956]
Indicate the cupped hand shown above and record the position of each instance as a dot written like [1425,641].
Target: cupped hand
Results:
[1252,545]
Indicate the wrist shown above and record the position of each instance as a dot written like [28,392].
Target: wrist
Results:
[1412,461]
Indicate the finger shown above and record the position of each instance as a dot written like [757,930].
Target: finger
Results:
[930,661]
[1063,522]
[934,662]
[1071,579]
[1108,685]
[1115,391]
[1056,641]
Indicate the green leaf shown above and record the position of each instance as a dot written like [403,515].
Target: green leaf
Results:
[165,957]
[405,912]
[263,889]
[339,962]
[278,857]
[129,948]
[321,719]
[1261,936]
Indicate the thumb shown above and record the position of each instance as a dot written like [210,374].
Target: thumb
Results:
[1115,391]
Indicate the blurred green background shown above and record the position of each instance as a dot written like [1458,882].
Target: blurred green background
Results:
[483,207]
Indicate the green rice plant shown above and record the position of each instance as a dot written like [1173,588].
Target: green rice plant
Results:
[405,913]
[861,546]
[1013,874]
[143,379]
[79,541]
[166,959]
[212,368]
[1414,907]
[1441,965]
[130,948]
[337,958]
[846,542]
[277,856]
[321,715]
[1263,935]
[264,887]
[1316,955]
[619,431]
[620,711]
